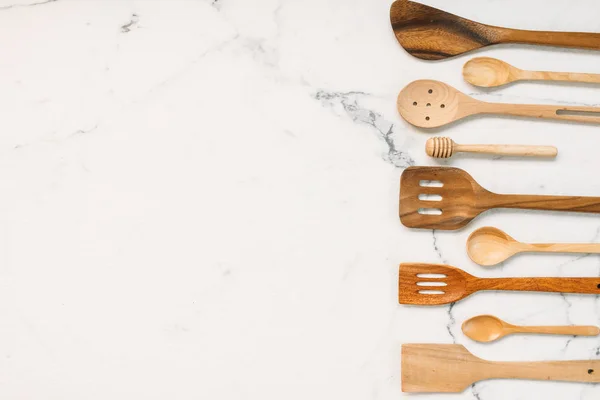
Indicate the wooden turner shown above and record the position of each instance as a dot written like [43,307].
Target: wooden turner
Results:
[436,284]
[451,368]
[432,34]
[431,104]
[449,198]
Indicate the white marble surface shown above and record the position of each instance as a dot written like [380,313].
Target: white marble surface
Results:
[198,199]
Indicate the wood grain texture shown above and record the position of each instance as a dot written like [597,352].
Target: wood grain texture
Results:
[432,104]
[414,287]
[451,368]
[489,246]
[491,72]
[444,147]
[432,34]
[461,199]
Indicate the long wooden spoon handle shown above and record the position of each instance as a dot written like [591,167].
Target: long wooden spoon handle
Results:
[590,248]
[560,285]
[560,76]
[564,113]
[582,40]
[561,330]
[569,371]
[540,202]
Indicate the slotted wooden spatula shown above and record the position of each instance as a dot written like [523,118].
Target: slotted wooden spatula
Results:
[432,34]
[449,198]
[435,284]
[451,368]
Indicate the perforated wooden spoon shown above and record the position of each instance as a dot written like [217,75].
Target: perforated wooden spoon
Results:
[431,104]
[451,368]
[487,328]
[449,198]
[489,246]
[432,34]
[491,72]
[436,284]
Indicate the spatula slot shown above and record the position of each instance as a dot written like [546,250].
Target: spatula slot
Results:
[430,197]
[432,276]
[430,211]
[427,183]
[433,292]
[432,284]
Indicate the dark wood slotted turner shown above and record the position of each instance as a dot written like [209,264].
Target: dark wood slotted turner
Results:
[436,284]
[432,34]
[449,198]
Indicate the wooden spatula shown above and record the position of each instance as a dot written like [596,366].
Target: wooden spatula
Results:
[449,198]
[432,34]
[431,104]
[435,284]
[451,368]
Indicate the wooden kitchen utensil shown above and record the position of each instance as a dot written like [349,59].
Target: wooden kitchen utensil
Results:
[432,34]
[491,72]
[489,246]
[431,104]
[449,198]
[451,368]
[435,284]
[487,328]
[444,147]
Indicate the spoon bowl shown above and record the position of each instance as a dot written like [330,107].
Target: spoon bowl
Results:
[489,72]
[485,328]
[489,246]
[431,104]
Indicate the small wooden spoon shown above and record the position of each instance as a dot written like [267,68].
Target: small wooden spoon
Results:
[431,104]
[491,72]
[487,328]
[489,246]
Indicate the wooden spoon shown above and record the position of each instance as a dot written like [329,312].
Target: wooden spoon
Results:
[451,368]
[489,246]
[431,104]
[432,34]
[491,72]
[487,328]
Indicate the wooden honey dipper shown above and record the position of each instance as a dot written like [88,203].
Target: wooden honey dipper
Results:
[444,147]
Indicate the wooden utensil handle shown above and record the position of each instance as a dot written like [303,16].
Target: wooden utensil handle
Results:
[509,150]
[560,76]
[561,330]
[564,113]
[560,285]
[584,40]
[541,202]
[569,371]
[590,248]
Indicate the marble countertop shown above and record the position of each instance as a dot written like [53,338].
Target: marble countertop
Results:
[198,199]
